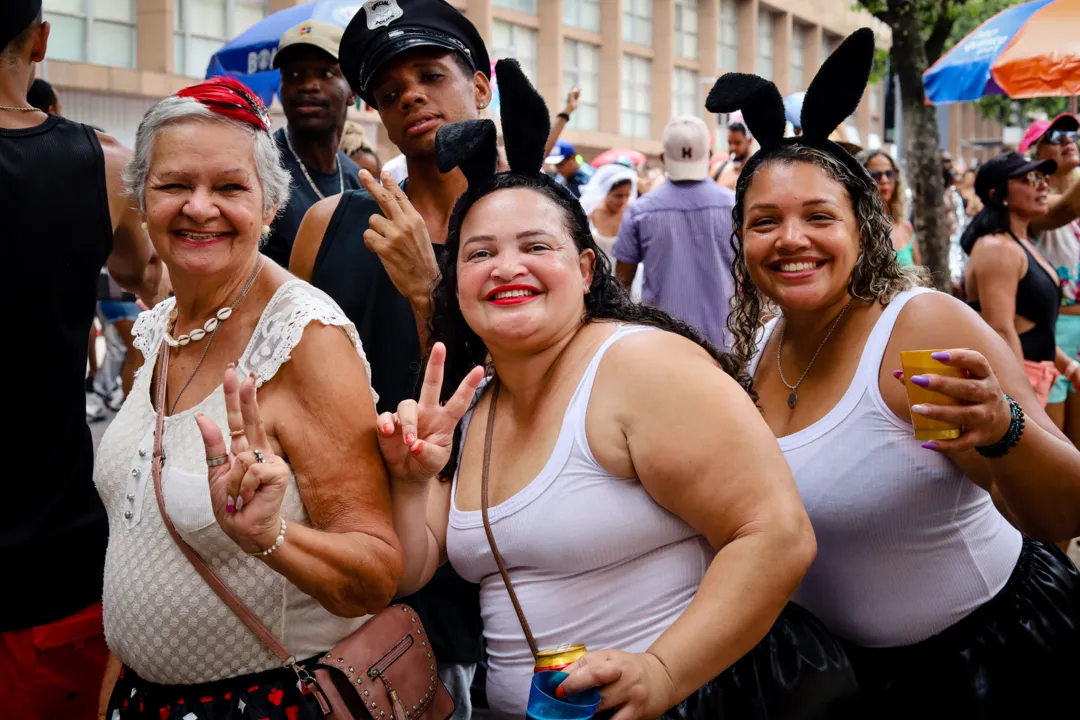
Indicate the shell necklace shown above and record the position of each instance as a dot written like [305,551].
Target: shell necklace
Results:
[211,325]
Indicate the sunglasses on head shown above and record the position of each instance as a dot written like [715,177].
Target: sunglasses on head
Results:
[891,174]
[1060,137]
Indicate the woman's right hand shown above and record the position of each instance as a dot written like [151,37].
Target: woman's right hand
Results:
[415,442]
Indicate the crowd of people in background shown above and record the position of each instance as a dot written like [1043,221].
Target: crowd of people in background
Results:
[727,542]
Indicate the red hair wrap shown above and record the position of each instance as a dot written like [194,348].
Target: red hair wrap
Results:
[228,97]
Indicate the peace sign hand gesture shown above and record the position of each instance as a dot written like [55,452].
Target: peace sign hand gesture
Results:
[416,440]
[401,240]
[247,487]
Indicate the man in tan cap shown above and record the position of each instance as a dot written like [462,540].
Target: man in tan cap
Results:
[316,98]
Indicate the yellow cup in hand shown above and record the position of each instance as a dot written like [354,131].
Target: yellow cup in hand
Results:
[919,362]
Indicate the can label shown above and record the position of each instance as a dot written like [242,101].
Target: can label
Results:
[559,658]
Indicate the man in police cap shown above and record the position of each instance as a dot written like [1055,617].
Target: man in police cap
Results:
[63,214]
[316,99]
[422,65]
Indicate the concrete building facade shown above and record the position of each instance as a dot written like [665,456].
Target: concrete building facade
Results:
[638,62]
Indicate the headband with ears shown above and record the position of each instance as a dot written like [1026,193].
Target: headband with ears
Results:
[472,144]
[833,95]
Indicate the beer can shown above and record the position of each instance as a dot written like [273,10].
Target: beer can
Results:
[559,658]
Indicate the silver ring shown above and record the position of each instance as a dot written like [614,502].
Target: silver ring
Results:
[215,461]
[258,456]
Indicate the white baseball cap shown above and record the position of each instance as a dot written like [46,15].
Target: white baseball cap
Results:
[686,148]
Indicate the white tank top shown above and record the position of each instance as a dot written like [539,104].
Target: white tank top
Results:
[161,618]
[907,545]
[593,557]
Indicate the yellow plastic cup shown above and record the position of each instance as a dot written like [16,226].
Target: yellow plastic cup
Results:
[919,362]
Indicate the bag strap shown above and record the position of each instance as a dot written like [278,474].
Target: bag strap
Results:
[220,588]
[487,523]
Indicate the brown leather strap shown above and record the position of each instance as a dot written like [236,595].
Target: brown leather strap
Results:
[220,588]
[487,523]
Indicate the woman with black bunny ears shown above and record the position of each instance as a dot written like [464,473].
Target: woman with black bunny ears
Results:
[660,528]
[947,609]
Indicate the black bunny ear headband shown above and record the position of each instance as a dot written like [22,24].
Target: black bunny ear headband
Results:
[471,144]
[832,96]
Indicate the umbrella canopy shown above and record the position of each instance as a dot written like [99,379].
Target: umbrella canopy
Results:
[1031,48]
[618,154]
[248,57]
[1043,58]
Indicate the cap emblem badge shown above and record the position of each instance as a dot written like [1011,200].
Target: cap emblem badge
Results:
[381,13]
[305,30]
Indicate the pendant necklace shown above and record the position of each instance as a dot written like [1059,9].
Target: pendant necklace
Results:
[793,398]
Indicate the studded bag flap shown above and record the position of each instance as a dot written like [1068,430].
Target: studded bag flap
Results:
[386,670]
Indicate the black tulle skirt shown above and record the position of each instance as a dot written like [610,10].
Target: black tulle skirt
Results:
[1017,656]
[798,672]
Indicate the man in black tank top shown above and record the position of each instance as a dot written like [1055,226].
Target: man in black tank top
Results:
[63,216]
[422,65]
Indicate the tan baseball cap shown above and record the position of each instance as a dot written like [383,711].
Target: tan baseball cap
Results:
[322,35]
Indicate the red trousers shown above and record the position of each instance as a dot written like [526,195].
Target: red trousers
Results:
[54,671]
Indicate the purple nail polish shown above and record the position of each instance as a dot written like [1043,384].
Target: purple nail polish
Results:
[921,380]
[230,505]
[239,503]
[940,356]
[931,445]
[898,374]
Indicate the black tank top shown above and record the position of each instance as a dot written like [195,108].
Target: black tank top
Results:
[57,233]
[355,277]
[1038,297]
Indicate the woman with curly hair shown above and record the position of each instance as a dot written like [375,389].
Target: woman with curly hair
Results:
[890,184]
[613,514]
[923,567]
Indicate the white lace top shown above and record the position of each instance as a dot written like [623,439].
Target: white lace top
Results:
[161,619]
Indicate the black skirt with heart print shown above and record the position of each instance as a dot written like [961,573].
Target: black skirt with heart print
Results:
[273,694]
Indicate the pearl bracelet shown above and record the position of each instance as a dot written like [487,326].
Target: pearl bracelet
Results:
[278,542]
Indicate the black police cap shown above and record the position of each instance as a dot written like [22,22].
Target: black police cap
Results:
[383,29]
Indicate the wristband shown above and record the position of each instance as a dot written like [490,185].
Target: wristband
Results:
[564,116]
[1012,436]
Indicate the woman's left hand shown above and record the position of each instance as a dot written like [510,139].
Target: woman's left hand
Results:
[247,489]
[984,413]
[634,685]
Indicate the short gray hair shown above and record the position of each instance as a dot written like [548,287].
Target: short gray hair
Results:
[273,176]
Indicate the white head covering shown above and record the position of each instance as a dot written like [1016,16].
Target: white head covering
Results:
[601,183]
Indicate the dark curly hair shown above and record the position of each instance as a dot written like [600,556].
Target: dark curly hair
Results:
[877,275]
[606,300]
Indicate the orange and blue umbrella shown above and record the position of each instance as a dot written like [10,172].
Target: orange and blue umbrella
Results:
[248,57]
[1028,50]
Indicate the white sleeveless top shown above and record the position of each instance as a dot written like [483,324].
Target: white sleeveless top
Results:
[593,557]
[907,545]
[161,618]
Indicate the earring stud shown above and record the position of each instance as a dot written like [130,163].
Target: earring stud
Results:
[143,225]
[265,229]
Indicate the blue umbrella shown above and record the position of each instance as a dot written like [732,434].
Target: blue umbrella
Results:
[963,74]
[248,57]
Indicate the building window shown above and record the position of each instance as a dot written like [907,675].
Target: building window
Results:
[636,98]
[525,6]
[684,93]
[203,26]
[584,14]
[515,41]
[686,19]
[637,21]
[581,69]
[729,36]
[798,58]
[828,44]
[764,66]
[102,32]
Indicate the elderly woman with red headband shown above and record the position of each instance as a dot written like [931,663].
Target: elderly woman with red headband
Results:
[269,465]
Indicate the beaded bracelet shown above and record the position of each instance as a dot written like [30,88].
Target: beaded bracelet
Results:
[1012,436]
[278,542]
